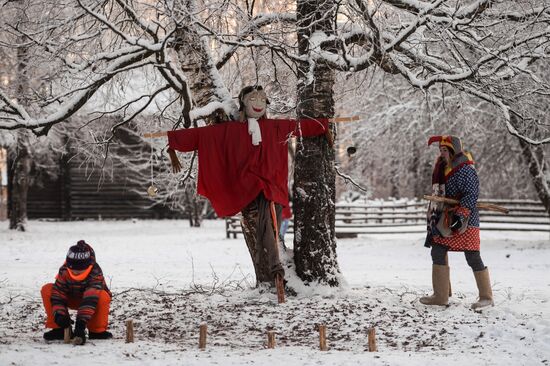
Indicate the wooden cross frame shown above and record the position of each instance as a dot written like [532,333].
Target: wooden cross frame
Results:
[331,120]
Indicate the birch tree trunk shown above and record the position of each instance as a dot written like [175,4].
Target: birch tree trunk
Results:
[314,176]
[19,175]
[196,61]
[19,172]
[203,81]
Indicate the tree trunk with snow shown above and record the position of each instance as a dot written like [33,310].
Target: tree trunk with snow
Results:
[204,83]
[194,206]
[197,63]
[314,175]
[19,172]
[19,175]
[535,158]
[536,161]
[196,214]
[538,169]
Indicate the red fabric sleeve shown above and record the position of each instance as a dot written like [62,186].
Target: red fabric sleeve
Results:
[306,127]
[184,140]
[286,213]
[311,127]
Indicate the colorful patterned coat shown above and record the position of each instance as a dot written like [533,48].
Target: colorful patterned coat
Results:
[462,183]
[84,287]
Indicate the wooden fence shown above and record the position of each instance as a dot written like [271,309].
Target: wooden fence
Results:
[394,217]
[76,193]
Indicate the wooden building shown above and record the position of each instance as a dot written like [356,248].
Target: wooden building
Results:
[76,194]
[79,192]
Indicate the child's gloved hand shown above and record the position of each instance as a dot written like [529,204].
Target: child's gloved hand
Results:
[63,320]
[79,333]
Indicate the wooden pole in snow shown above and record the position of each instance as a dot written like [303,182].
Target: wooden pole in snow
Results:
[280,286]
[323,337]
[67,335]
[155,134]
[271,339]
[344,119]
[202,336]
[129,331]
[372,340]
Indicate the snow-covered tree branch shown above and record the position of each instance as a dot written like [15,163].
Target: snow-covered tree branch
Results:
[471,45]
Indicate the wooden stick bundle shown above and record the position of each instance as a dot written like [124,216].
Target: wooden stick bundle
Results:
[481,205]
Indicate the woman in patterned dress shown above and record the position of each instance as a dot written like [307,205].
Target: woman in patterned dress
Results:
[457,227]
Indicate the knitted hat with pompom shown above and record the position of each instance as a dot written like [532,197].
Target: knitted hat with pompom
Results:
[80,256]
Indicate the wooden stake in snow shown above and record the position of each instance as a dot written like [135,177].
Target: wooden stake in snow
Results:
[279,283]
[129,331]
[372,340]
[271,339]
[67,335]
[323,337]
[202,336]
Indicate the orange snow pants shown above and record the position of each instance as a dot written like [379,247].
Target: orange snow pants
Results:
[99,321]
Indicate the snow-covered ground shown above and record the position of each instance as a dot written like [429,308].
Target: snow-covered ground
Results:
[169,278]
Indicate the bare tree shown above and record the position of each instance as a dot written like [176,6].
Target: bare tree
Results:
[391,139]
[24,156]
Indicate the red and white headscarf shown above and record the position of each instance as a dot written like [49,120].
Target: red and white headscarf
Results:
[441,171]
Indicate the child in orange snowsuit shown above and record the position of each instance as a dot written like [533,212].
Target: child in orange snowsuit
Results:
[79,285]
